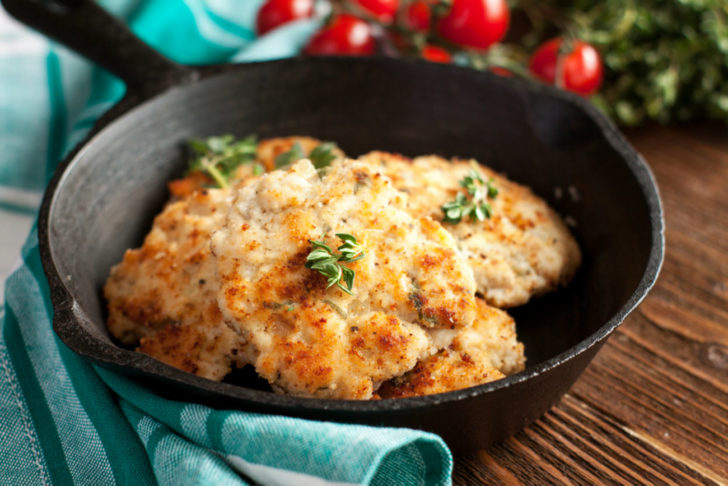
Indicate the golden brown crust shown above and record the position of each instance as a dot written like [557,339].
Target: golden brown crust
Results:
[412,325]
[164,294]
[484,352]
[440,373]
[316,342]
[523,249]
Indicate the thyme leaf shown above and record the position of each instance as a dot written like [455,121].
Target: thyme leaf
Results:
[474,203]
[324,260]
[350,250]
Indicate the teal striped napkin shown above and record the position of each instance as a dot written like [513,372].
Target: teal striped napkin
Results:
[65,421]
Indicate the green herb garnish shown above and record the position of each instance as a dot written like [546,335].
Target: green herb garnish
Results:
[287,158]
[218,157]
[323,259]
[321,156]
[475,206]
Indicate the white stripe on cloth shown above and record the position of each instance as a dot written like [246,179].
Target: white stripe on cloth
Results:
[177,461]
[11,379]
[145,427]
[15,227]
[20,197]
[77,434]
[16,40]
[209,29]
[271,476]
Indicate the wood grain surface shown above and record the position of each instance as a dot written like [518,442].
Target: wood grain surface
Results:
[652,408]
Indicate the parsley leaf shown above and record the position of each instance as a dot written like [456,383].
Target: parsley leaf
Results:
[323,259]
[287,158]
[476,205]
[218,157]
[321,156]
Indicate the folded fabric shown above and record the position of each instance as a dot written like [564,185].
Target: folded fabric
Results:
[65,421]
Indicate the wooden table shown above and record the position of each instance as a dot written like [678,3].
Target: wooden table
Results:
[652,408]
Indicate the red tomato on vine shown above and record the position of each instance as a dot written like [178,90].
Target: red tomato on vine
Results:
[579,68]
[345,34]
[417,16]
[275,13]
[382,10]
[475,23]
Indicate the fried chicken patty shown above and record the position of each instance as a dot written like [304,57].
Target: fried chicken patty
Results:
[220,281]
[165,293]
[412,290]
[163,296]
[484,352]
[523,249]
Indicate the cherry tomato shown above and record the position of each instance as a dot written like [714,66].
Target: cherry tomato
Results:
[382,10]
[475,23]
[345,34]
[274,13]
[417,16]
[436,54]
[581,67]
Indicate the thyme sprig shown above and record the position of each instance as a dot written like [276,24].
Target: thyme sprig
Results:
[475,204]
[218,157]
[323,259]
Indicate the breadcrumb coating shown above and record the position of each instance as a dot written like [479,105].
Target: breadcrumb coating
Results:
[524,249]
[412,290]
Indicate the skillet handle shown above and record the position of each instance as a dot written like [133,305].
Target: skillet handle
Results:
[94,33]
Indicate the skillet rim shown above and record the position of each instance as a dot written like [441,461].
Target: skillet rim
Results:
[67,313]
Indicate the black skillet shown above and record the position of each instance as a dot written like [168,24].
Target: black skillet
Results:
[105,193]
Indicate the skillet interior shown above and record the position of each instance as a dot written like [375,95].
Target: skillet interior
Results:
[106,198]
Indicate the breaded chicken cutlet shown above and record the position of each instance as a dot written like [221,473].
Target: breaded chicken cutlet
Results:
[222,281]
[412,293]
[163,296]
[523,249]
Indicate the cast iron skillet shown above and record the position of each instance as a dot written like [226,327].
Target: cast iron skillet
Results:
[104,195]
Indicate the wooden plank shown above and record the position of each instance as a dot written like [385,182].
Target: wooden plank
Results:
[576,443]
[653,406]
[651,395]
